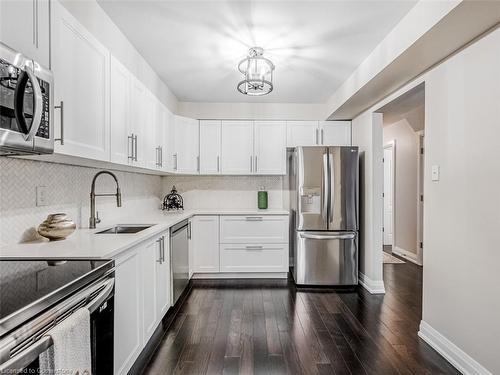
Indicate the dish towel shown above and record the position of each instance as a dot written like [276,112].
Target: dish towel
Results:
[70,353]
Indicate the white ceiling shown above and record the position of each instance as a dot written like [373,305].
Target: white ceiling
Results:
[195,46]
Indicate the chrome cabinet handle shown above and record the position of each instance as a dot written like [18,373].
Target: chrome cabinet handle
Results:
[322,136]
[251,163]
[131,151]
[161,156]
[135,148]
[256,247]
[61,108]
[254,218]
[175,161]
[160,258]
[163,249]
[256,168]
[198,163]
[218,163]
[189,230]
[317,136]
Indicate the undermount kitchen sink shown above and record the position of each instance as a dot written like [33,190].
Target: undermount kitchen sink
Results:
[126,229]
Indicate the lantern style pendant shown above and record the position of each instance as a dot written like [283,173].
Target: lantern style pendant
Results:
[173,201]
[257,72]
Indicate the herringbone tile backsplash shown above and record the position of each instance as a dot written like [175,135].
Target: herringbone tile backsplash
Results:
[68,189]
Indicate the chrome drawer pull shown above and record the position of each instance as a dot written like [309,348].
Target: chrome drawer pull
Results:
[254,218]
[256,247]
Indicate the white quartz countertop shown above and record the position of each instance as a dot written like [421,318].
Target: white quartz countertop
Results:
[84,243]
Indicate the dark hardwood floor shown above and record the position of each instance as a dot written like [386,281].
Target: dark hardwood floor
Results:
[270,327]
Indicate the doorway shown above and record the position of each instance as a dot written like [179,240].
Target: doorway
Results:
[403,196]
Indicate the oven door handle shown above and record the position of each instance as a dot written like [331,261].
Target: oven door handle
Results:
[28,355]
[37,105]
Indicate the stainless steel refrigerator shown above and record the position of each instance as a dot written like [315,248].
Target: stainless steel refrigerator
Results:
[323,184]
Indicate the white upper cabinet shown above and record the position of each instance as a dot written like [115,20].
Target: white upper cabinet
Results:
[81,85]
[168,141]
[137,121]
[159,125]
[150,143]
[237,147]
[335,133]
[121,136]
[210,146]
[186,133]
[302,133]
[24,27]
[270,147]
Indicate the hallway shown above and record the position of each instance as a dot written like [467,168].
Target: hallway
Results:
[268,326]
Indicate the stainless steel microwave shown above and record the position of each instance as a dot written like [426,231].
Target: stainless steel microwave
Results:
[26,111]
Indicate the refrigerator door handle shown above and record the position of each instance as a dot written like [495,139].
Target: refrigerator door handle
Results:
[331,187]
[317,236]
[325,187]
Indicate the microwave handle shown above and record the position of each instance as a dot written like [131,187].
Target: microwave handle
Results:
[38,107]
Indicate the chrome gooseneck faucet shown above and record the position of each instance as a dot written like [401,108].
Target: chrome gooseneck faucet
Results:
[94,219]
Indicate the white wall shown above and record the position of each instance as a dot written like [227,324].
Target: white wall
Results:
[93,17]
[461,282]
[462,211]
[367,134]
[406,184]
[255,111]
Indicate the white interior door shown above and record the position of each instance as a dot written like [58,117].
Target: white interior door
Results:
[388,195]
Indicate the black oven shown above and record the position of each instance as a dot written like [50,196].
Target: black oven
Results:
[21,347]
[25,105]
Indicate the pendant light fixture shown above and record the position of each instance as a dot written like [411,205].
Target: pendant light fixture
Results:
[257,72]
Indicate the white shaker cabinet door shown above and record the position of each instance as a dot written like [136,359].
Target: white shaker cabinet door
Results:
[302,133]
[81,83]
[163,299]
[237,147]
[335,133]
[128,310]
[137,121]
[150,255]
[24,27]
[168,141]
[121,136]
[270,147]
[186,133]
[205,243]
[210,146]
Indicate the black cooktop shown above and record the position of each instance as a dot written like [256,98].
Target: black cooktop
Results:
[36,285]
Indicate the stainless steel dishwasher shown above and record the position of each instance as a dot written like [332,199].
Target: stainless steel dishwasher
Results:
[179,247]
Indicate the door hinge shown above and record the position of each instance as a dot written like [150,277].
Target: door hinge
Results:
[421,198]
[383,160]
[383,229]
[421,150]
[421,245]
[383,195]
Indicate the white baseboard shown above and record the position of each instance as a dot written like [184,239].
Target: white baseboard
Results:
[412,257]
[452,353]
[241,275]
[372,286]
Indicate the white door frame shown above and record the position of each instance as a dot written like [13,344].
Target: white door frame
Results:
[392,145]
[420,192]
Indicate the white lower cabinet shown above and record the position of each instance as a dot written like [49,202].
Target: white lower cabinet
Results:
[254,229]
[204,244]
[254,258]
[128,310]
[142,297]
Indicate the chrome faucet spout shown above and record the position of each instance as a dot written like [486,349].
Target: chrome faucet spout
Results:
[93,218]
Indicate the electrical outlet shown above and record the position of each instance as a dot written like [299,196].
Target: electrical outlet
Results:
[41,196]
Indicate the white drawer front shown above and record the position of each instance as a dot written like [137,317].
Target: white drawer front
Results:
[254,229]
[254,258]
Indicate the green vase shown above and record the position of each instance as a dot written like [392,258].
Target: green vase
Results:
[262,200]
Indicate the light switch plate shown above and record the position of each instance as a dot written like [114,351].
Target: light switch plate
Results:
[41,196]
[435,173]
